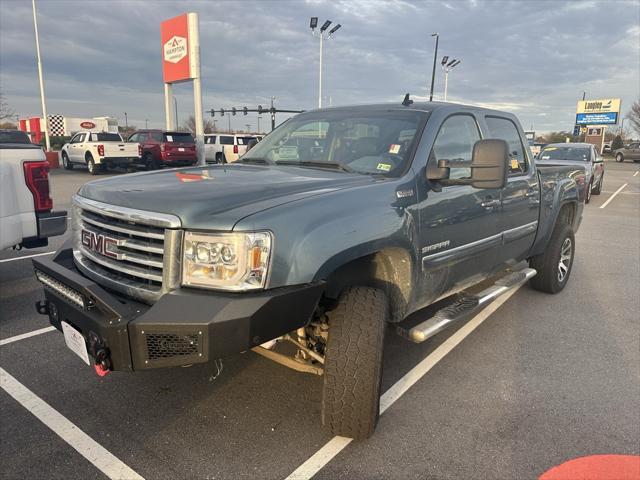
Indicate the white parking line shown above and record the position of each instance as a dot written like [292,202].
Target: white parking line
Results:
[613,196]
[334,446]
[636,174]
[107,463]
[26,256]
[22,336]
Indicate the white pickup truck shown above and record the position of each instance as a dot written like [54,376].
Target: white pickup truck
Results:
[98,151]
[26,216]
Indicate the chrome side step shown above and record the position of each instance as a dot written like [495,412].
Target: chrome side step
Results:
[465,307]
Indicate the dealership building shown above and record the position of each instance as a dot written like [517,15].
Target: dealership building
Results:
[62,126]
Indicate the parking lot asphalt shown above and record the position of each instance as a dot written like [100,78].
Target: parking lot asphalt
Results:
[543,379]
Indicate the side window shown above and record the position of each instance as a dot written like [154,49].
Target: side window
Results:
[74,139]
[226,140]
[211,140]
[455,141]
[80,138]
[157,137]
[134,137]
[506,130]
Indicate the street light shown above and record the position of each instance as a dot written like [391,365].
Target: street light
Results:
[433,71]
[259,117]
[323,35]
[146,123]
[447,66]
[126,124]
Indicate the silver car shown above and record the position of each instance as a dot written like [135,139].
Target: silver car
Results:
[628,152]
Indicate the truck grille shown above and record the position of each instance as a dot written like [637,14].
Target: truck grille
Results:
[125,249]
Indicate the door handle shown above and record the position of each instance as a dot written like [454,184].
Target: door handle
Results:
[490,203]
[531,194]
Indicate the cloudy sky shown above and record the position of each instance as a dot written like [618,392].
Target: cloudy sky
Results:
[534,58]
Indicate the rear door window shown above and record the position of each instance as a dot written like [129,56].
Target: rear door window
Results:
[157,137]
[505,129]
[226,140]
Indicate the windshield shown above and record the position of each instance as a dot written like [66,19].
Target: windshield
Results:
[580,154]
[178,138]
[106,137]
[368,142]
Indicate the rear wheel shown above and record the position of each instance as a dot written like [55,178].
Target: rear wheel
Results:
[149,162]
[353,363]
[598,189]
[65,162]
[554,265]
[619,157]
[91,165]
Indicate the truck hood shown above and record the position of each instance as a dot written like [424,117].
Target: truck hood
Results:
[216,197]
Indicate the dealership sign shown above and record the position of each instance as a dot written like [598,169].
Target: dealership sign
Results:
[88,125]
[604,111]
[179,48]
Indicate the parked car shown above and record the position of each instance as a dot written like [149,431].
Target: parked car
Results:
[628,152]
[98,151]
[165,148]
[225,148]
[580,154]
[606,147]
[317,244]
[27,218]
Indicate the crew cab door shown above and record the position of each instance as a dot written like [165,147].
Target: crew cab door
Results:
[459,225]
[521,194]
[75,150]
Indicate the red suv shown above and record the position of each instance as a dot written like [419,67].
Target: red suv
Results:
[173,149]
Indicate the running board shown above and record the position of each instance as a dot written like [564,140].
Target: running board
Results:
[464,307]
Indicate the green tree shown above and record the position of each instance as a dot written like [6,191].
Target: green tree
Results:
[617,143]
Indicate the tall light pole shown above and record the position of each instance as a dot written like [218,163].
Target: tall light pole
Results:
[313,24]
[447,66]
[40,77]
[126,123]
[146,123]
[433,71]
[259,117]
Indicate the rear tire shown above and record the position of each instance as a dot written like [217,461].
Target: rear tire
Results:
[598,188]
[65,162]
[353,363]
[149,162]
[619,157]
[91,166]
[554,265]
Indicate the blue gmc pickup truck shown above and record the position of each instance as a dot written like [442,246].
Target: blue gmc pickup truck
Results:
[340,223]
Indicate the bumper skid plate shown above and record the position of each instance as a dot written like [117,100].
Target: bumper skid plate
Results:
[183,327]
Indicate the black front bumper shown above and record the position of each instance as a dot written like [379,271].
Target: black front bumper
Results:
[183,327]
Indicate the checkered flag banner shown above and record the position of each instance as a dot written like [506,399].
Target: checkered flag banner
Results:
[56,125]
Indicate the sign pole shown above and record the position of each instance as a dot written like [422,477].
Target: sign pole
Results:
[168,110]
[42,100]
[194,39]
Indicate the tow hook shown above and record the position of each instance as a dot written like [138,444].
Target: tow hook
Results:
[42,307]
[103,363]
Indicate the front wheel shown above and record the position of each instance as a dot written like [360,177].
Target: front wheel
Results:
[353,363]
[619,158]
[554,265]
[65,162]
[589,188]
[598,189]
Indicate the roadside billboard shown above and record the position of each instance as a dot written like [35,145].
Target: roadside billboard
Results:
[604,111]
[179,48]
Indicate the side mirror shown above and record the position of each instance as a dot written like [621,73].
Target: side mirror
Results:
[489,164]
[252,143]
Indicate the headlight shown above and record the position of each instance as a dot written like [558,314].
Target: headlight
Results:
[227,261]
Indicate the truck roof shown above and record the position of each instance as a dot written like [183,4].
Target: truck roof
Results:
[420,106]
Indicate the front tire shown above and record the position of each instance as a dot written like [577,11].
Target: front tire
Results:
[598,188]
[353,363]
[65,162]
[589,189]
[554,265]
[619,157]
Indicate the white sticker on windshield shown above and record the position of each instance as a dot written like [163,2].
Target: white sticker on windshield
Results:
[169,138]
[546,157]
[289,152]
[394,148]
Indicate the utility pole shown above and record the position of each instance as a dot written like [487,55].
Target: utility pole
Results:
[313,24]
[273,114]
[126,123]
[40,77]
[259,117]
[433,71]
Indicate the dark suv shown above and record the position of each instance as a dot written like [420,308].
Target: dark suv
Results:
[173,149]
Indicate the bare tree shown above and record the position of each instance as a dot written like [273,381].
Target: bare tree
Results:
[634,116]
[5,110]
[190,125]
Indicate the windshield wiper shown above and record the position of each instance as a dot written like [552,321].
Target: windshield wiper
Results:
[317,164]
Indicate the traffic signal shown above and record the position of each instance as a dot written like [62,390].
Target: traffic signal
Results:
[233,110]
[213,112]
[222,112]
[246,110]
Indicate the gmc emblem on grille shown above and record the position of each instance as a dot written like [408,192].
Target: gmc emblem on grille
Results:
[100,243]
